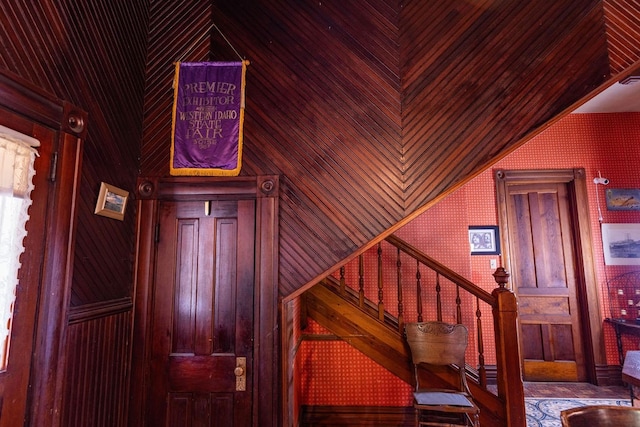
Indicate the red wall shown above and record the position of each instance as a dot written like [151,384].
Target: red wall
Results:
[333,373]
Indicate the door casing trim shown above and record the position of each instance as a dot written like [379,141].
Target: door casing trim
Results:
[266,350]
[587,292]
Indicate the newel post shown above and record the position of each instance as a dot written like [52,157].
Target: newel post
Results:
[505,317]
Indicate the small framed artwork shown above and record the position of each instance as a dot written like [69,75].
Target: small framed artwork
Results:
[484,240]
[623,199]
[112,201]
[621,244]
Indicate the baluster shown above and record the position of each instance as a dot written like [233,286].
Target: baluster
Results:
[361,280]
[418,292]
[342,280]
[400,306]
[438,298]
[380,285]
[458,305]
[482,372]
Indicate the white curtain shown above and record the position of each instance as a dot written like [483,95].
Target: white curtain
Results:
[17,157]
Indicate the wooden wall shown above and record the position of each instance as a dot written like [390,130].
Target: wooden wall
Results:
[91,54]
[368,109]
[371,109]
[98,398]
[623,33]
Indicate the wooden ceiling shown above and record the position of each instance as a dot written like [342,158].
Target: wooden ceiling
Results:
[371,109]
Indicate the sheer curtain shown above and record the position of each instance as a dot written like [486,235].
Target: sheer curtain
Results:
[17,156]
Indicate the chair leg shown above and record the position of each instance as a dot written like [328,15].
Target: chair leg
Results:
[476,420]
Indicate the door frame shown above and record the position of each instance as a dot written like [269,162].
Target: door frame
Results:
[266,349]
[587,290]
[50,280]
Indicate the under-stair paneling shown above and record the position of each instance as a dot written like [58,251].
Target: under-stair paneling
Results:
[480,80]
[622,19]
[371,109]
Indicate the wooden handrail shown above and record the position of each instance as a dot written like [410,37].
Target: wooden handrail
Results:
[442,270]
[504,311]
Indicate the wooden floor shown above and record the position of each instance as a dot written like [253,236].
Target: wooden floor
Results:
[342,416]
[581,390]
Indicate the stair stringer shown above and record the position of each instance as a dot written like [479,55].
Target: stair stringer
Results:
[383,344]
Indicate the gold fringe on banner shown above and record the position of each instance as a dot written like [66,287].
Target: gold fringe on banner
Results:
[201,143]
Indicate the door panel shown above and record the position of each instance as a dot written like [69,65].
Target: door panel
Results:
[203,314]
[542,265]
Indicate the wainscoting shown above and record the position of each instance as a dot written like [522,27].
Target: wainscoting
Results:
[96,382]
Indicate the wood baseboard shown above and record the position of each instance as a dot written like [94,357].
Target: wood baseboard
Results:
[607,375]
[343,416]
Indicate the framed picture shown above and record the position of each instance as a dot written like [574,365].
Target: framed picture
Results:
[621,244]
[112,201]
[484,240]
[623,199]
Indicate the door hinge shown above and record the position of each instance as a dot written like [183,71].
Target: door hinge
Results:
[156,237]
[53,167]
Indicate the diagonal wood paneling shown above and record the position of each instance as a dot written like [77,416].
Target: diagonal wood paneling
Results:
[176,33]
[371,109]
[322,103]
[622,19]
[490,74]
[368,109]
[91,54]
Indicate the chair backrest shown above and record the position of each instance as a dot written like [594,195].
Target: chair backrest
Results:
[437,343]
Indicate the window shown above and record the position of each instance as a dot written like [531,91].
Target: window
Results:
[17,157]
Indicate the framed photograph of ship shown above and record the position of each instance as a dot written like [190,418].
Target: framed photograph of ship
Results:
[623,199]
[621,244]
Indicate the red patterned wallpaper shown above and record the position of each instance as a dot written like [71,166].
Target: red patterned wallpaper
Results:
[333,373]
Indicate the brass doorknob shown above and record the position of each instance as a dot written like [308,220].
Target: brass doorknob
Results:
[240,372]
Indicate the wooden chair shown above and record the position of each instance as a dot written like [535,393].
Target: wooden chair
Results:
[601,416]
[440,344]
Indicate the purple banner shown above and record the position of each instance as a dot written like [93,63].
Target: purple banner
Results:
[208,114]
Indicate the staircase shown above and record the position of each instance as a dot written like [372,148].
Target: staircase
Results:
[379,341]
[366,326]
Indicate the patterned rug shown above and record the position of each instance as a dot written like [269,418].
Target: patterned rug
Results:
[546,412]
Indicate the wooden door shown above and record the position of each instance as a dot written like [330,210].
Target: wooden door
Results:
[542,262]
[202,316]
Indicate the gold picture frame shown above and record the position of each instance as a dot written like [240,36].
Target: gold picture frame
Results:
[112,201]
